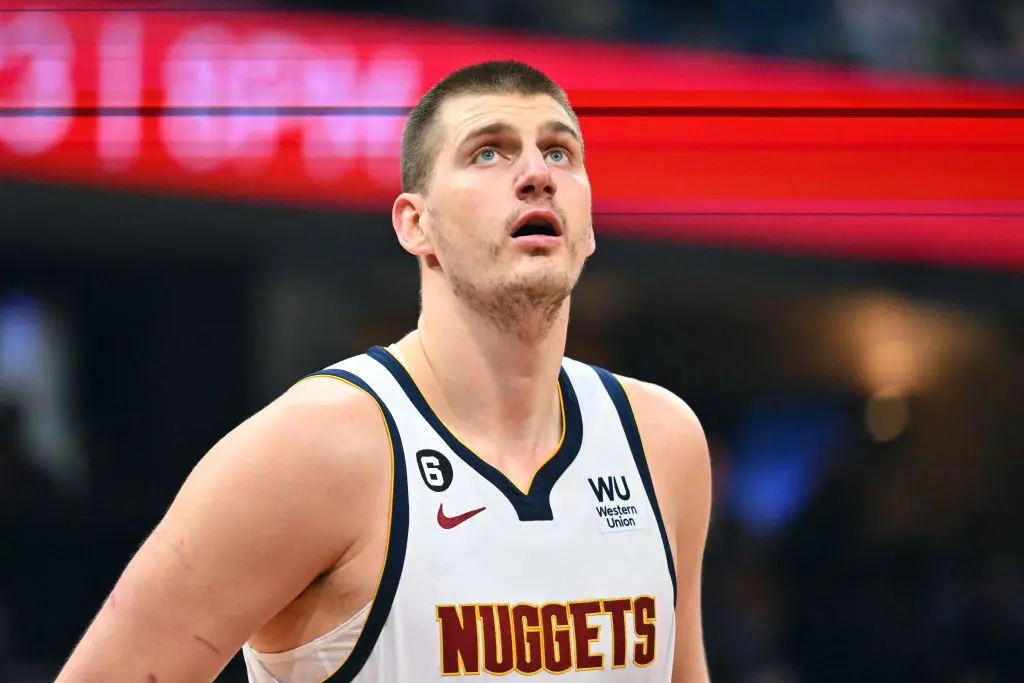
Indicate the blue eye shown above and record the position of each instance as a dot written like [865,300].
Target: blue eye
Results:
[487,155]
[561,158]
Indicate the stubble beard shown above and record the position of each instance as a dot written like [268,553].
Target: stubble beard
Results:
[523,305]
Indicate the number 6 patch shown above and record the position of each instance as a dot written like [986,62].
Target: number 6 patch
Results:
[435,469]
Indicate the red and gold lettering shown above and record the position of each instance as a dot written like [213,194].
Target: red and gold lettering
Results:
[557,639]
[585,634]
[460,652]
[499,649]
[643,624]
[617,609]
[529,650]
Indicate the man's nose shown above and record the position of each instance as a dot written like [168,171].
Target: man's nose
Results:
[535,181]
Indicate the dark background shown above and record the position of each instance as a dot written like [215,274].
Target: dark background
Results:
[864,418]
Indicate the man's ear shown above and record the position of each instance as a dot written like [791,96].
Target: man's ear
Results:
[406,217]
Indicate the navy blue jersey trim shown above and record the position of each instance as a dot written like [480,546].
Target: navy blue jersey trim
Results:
[628,419]
[398,536]
[534,505]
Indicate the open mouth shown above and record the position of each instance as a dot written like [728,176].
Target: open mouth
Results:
[536,226]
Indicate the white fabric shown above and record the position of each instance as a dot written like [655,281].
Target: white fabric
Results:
[528,570]
[313,661]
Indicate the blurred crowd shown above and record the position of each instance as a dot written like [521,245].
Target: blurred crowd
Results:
[840,596]
[981,39]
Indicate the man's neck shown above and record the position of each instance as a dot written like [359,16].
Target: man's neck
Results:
[495,388]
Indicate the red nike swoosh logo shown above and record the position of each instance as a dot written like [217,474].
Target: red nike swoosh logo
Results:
[447,522]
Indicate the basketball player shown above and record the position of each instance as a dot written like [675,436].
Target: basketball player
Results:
[467,502]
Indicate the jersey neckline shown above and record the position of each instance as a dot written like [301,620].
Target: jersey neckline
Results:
[534,505]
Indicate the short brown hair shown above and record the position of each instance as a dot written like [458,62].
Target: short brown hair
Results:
[507,77]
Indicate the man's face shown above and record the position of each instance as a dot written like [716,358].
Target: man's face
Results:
[501,158]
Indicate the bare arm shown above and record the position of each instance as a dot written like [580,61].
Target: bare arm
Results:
[677,453]
[253,525]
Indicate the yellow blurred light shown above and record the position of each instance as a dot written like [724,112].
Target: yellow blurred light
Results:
[896,345]
[886,415]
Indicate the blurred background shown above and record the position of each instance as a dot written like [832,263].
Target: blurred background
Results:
[863,405]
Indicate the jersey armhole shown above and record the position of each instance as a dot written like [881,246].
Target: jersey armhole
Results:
[624,408]
[398,536]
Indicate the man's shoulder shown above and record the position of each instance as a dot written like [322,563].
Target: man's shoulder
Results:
[320,409]
[324,393]
[646,397]
[317,429]
[672,435]
[651,397]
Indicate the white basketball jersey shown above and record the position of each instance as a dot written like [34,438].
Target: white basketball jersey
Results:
[572,578]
